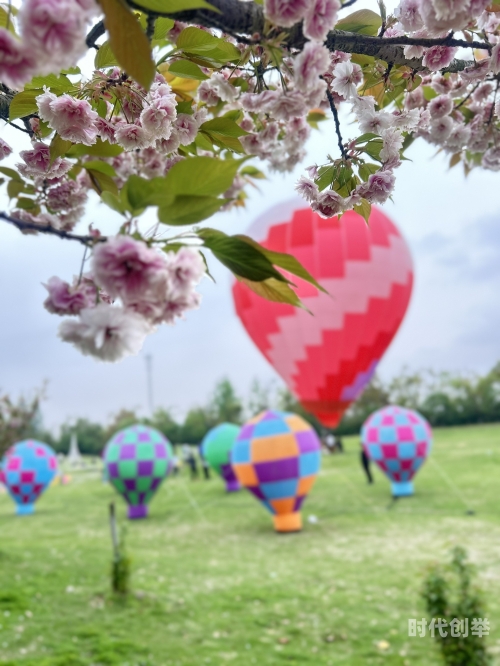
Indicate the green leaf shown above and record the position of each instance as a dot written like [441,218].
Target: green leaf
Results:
[57,84]
[198,42]
[273,290]
[14,188]
[99,149]
[253,172]
[24,104]
[162,27]
[224,132]
[286,261]
[367,169]
[364,209]
[142,193]
[11,173]
[373,148]
[201,176]
[105,57]
[325,176]
[103,167]
[173,6]
[367,136]
[363,22]
[203,142]
[26,204]
[241,257]
[189,209]
[101,182]
[128,42]
[6,20]
[186,69]
[113,202]
[185,107]
[58,147]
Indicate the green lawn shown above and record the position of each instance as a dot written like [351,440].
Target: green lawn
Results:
[213,584]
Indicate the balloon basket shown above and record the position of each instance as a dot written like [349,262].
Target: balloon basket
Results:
[135,512]
[25,509]
[288,522]
[232,486]
[402,488]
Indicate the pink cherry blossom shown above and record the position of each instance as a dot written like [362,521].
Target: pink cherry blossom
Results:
[186,268]
[348,76]
[285,13]
[127,268]
[186,129]
[288,105]
[66,196]
[440,106]
[320,18]
[328,204]
[393,142]
[156,121]
[17,61]
[491,159]
[311,62]
[307,188]
[5,149]
[378,187]
[132,137]
[66,299]
[73,119]
[441,129]
[55,30]
[408,13]
[438,57]
[107,332]
[38,163]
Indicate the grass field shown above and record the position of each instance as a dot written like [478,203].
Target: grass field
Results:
[213,584]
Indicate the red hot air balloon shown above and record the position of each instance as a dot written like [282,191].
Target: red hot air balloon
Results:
[327,359]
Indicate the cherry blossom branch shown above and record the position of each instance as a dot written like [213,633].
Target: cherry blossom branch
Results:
[48,229]
[335,114]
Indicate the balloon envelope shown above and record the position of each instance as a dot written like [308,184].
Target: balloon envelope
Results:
[277,457]
[137,459]
[327,359]
[216,448]
[28,468]
[398,440]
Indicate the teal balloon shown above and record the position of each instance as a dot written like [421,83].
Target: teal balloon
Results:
[216,449]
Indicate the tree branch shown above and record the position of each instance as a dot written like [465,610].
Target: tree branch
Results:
[335,114]
[47,229]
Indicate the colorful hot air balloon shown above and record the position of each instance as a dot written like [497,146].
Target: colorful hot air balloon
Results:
[277,456]
[216,448]
[327,359]
[137,460]
[398,440]
[28,469]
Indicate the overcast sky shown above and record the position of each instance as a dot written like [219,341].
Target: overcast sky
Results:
[451,223]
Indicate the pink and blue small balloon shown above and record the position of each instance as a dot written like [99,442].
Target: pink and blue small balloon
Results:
[398,440]
[137,460]
[28,468]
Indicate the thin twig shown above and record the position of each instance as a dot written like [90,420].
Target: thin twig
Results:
[337,124]
[48,229]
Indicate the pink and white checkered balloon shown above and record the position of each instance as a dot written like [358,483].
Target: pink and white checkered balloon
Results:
[398,440]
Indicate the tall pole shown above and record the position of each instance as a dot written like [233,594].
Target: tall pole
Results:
[149,371]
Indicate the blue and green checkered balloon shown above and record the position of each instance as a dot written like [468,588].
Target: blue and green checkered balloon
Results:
[137,460]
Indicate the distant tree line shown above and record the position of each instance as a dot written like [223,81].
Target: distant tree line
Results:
[443,398]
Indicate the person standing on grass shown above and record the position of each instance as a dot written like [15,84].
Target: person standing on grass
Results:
[365,463]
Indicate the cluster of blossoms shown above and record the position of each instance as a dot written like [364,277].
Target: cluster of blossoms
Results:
[152,288]
[257,97]
[52,38]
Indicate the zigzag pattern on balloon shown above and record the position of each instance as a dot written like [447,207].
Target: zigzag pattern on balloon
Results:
[327,359]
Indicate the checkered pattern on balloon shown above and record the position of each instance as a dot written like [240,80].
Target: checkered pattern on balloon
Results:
[137,459]
[277,456]
[398,440]
[27,469]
